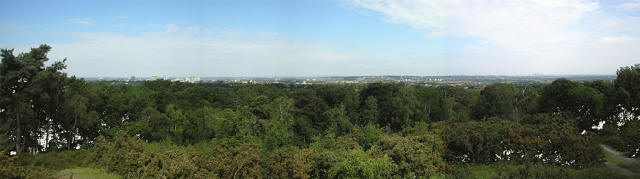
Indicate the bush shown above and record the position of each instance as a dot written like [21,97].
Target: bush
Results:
[117,155]
[291,162]
[9,167]
[411,157]
[359,164]
[539,138]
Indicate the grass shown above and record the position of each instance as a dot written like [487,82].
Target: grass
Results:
[620,162]
[478,171]
[513,170]
[81,173]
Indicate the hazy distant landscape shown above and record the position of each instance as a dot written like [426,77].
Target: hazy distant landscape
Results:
[320,89]
[430,81]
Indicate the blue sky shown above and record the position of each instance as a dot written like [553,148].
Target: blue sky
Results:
[328,37]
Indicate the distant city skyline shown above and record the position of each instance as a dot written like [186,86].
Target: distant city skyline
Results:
[307,38]
[428,81]
[329,76]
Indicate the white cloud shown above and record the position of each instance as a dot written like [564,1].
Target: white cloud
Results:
[182,51]
[631,5]
[506,38]
[501,22]
[618,39]
[187,51]
[519,37]
[80,21]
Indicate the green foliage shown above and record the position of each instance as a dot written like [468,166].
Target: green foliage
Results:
[630,135]
[368,136]
[5,143]
[359,164]
[457,104]
[43,165]
[543,138]
[116,155]
[627,80]
[29,93]
[84,173]
[429,99]
[411,156]
[626,99]
[339,120]
[290,162]
[497,100]
[278,134]
[405,108]
[574,99]
[152,125]
[9,168]
[240,162]
[125,156]
[383,93]
[507,170]
[370,111]
[163,129]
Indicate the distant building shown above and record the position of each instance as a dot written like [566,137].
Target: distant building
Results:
[132,78]
[192,79]
[154,78]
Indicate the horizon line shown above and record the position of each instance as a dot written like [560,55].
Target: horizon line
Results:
[330,76]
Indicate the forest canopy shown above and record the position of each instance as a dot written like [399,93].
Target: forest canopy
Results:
[379,130]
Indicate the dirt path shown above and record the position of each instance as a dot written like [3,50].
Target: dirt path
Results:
[621,163]
[81,173]
[618,168]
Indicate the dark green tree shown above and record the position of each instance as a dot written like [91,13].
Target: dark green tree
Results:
[576,100]
[497,100]
[629,79]
[21,80]
[339,120]
[429,99]
[370,111]
[405,108]
[383,92]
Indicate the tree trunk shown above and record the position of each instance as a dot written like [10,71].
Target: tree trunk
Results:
[73,134]
[46,137]
[18,130]
[280,107]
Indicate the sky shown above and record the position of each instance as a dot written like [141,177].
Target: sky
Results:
[271,38]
